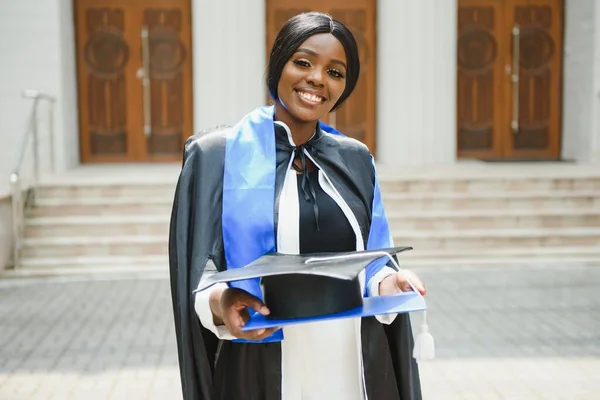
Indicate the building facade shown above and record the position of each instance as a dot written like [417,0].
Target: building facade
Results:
[438,82]
[441,80]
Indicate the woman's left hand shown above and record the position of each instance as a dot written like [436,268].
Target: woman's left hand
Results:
[399,282]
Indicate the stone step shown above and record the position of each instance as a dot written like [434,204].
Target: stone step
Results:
[46,207]
[455,184]
[101,262]
[503,253]
[90,246]
[101,206]
[410,259]
[122,225]
[158,224]
[494,184]
[497,219]
[524,262]
[490,200]
[497,238]
[103,189]
[135,245]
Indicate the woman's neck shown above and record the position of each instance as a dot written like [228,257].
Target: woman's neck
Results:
[301,131]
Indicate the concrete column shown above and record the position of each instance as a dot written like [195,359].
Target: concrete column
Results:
[229,39]
[581,86]
[66,128]
[595,132]
[416,74]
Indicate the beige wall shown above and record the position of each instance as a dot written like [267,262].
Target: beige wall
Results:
[5,232]
[37,52]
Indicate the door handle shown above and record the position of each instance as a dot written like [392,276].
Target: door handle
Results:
[516,35]
[144,74]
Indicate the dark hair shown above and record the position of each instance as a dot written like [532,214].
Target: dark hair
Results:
[295,32]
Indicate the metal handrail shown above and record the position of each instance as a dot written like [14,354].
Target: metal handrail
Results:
[22,194]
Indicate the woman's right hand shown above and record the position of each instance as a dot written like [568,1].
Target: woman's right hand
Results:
[230,308]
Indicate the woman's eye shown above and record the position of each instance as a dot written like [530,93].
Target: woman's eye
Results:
[335,73]
[302,63]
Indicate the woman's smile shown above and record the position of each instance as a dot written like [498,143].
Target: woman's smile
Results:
[309,97]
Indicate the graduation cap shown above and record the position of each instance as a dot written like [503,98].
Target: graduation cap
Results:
[314,287]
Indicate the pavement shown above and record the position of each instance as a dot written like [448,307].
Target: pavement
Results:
[517,332]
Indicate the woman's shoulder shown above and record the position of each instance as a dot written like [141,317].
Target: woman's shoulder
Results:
[208,140]
[206,147]
[346,143]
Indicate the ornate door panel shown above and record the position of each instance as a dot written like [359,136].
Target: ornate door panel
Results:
[509,78]
[536,47]
[480,78]
[356,117]
[134,72]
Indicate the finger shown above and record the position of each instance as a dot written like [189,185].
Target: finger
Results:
[254,334]
[235,319]
[248,300]
[259,334]
[416,282]
[402,282]
[268,332]
[235,328]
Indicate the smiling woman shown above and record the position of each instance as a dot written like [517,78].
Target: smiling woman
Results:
[282,181]
[312,82]
[314,68]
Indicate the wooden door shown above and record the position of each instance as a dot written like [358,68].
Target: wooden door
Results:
[537,29]
[135,79]
[509,56]
[356,118]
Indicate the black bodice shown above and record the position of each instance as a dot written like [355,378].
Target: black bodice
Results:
[334,232]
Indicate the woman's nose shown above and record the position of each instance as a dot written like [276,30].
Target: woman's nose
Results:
[316,77]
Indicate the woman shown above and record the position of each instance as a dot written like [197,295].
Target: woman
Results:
[280,180]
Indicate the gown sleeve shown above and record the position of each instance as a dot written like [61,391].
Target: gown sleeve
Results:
[193,241]
[202,307]
[373,290]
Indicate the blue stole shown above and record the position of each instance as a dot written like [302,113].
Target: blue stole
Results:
[249,197]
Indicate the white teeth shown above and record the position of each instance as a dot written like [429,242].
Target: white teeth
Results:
[311,97]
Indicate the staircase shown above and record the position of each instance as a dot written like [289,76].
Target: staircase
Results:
[496,214]
[103,221]
[99,226]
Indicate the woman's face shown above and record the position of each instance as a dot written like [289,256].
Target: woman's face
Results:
[314,78]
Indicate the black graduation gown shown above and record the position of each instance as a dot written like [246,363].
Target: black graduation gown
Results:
[214,369]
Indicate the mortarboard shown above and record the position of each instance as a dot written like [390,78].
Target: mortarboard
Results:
[314,287]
